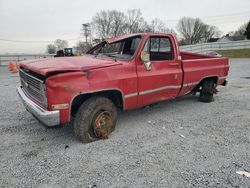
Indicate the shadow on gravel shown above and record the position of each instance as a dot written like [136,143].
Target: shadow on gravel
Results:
[164,106]
[245,77]
[64,133]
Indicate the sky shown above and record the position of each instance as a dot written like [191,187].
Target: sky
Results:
[46,20]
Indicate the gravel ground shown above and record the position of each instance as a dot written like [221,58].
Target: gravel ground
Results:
[179,143]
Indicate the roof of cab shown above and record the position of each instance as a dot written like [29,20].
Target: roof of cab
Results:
[122,37]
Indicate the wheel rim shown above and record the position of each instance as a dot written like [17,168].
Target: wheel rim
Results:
[103,124]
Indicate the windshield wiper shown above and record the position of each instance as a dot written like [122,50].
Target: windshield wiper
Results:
[108,55]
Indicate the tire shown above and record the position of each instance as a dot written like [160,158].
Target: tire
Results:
[207,91]
[95,119]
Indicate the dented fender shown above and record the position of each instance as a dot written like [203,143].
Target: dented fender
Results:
[61,88]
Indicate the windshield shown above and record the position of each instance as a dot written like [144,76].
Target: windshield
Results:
[124,49]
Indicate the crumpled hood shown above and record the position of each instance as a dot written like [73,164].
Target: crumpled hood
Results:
[63,64]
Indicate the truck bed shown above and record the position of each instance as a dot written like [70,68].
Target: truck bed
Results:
[190,56]
[216,67]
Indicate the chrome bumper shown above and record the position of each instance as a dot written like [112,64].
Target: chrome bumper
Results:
[49,118]
[225,83]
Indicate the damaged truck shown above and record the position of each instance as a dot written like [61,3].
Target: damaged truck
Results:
[124,72]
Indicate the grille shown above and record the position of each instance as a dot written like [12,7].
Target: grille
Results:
[34,87]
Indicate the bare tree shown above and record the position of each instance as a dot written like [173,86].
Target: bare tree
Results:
[135,21]
[188,29]
[118,22]
[51,49]
[109,23]
[247,33]
[144,27]
[102,22]
[82,47]
[241,30]
[113,23]
[60,44]
[158,26]
[210,31]
[193,30]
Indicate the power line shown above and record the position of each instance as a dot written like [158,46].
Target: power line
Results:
[29,41]
[226,15]
[222,16]
[214,19]
[228,20]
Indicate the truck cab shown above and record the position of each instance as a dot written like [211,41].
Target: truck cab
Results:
[124,72]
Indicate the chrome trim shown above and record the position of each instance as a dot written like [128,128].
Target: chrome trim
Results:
[146,91]
[49,118]
[222,78]
[131,95]
[190,84]
[158,89]
[166,87]
[31,76]
[34,87]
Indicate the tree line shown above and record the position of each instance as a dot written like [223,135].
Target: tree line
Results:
[111,23]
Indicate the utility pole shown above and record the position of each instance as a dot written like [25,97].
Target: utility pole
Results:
[86,31]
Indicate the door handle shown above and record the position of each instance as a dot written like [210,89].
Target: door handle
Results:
[173,64]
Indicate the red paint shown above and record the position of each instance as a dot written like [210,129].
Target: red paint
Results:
[67,78]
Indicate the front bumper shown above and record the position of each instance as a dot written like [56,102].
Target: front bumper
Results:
[225,83]
[49,118]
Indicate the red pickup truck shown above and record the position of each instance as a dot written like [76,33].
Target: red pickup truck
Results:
[124,72]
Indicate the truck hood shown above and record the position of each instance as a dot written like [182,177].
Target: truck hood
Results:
[48,66]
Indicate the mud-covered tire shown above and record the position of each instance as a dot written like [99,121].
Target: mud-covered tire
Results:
[207,91]
[89,114]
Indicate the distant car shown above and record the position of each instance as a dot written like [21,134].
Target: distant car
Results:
[213,53]
[64,52]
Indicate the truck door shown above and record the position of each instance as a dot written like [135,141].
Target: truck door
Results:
[163,80]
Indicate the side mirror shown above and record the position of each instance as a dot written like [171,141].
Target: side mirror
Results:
[145,57]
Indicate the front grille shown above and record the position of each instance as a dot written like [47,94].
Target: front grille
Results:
[34,87]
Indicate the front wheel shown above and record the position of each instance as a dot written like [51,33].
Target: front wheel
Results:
[207,91]
[95,119]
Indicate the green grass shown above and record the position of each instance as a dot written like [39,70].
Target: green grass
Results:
[242,53]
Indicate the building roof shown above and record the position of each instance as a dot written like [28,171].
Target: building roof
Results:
[236,38]
[231,38]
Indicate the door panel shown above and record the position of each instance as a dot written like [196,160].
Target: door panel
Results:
[163,81]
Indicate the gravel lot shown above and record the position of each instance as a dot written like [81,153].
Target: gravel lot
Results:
[180,143]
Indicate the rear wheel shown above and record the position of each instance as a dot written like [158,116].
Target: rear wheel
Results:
[207,90]
[95,119]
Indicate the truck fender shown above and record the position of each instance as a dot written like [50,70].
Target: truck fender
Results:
[115,95]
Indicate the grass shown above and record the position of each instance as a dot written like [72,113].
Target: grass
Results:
[241,53]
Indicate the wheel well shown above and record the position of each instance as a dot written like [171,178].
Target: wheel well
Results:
[214,78]
[114,95]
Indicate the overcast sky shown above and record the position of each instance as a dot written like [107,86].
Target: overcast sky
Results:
[47,20]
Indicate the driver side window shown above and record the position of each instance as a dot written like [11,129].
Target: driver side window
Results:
[159,48]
